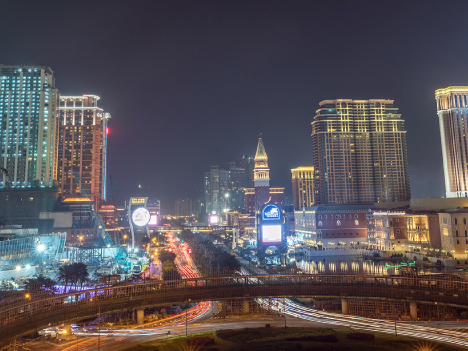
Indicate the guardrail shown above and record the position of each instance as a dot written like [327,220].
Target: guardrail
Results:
[29,315]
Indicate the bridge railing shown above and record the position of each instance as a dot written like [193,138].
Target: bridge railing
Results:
[37,313]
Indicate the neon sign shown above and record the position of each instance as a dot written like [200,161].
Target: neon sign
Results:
[401,264]
[271,212]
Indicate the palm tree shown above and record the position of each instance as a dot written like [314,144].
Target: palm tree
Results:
[35,285]
[73,273]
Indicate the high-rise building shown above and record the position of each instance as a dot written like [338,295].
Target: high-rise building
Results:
[261,193]
[359,153]
[82,146]
[28,125]
[217,186]
[302,187]
[453,117]
[183,207]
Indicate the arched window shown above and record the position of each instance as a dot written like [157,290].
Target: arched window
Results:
[356,222]
[456,233]
[320,223]
[338,222]
[466,233]
[464,220]
[456,221]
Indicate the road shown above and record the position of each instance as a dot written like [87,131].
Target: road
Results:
[296,315]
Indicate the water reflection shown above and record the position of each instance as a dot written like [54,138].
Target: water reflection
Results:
[347,265]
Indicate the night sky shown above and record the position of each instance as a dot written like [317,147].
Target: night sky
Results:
[190,84]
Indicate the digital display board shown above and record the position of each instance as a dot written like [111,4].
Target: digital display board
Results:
[153,220]
[141,217]
[271,233]
[271,212]
[214,219]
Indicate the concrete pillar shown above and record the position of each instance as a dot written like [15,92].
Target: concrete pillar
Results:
[140,317]
[344,306]
[413,308]
[245,306]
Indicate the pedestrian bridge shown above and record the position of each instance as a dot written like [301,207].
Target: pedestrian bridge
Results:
[37,312]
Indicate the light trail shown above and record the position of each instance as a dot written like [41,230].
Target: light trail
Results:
[294,309]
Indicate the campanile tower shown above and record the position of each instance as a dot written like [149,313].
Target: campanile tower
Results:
[261,176]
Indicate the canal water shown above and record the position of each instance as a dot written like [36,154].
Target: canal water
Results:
[353,265]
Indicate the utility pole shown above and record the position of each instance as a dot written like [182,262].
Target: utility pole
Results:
[99,330]
[284,311]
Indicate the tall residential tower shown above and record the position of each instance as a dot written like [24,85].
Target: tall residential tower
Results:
[359,153]
[28,125]
[82,147]
[452,109]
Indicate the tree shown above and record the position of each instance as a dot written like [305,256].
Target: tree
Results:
[73,273]
[165,255]
[41,283]
[170,271]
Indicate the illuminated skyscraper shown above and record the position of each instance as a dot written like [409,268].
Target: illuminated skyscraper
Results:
[452,109]
[82,146]
[303,187]
[28,125]
[359,153]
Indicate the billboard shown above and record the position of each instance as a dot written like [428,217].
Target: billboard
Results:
[214,219]
[271,212]
[271,233]
[140,217]
[153,220]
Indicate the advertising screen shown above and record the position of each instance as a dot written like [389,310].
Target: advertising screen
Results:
[271,233]
[141,217]
[213,219]
[271,212]
[153,220]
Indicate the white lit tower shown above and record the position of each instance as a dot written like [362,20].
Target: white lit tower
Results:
[28,125]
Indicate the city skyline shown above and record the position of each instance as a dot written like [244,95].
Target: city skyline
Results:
[230,71]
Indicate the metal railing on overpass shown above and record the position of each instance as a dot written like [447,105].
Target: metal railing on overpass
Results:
[33,314]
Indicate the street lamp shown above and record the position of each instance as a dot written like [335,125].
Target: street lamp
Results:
[125,238]
[81,239]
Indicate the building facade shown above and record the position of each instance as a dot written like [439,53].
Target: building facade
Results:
[452,110]
[183,207]
[28,126]
[82,147]
[302,187]
[359,153]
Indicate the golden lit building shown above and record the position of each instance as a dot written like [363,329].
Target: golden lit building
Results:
[359,153]
[82,147]
[452,111]
[302,187]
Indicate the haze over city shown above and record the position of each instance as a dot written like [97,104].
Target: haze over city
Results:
[233,175]
[191,84]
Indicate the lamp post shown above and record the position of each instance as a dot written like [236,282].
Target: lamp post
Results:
[186,320]
[81,239]
[125,238]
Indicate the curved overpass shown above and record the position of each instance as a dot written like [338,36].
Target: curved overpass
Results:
[31,315]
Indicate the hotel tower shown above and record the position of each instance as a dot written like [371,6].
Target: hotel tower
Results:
[28,126]
[82,147]
[359,153]
[452,109]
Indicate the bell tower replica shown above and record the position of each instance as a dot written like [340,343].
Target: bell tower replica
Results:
[261,177]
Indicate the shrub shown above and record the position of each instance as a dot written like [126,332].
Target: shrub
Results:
[360,336]
[200,341]
[322,338]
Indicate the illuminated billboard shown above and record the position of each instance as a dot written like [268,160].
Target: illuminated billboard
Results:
[214,219]
[141,217]
[271,212]
[153,220]
[271,233]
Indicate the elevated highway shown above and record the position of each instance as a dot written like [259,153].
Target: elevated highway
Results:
[34,314]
